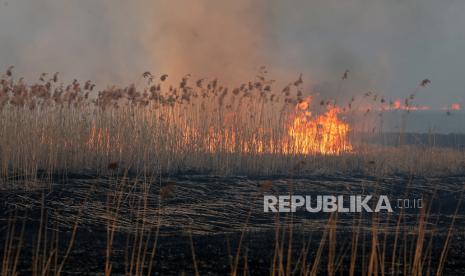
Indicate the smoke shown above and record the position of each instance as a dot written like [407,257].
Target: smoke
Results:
[80,39]
[388,46]
[225,39]
[115,41]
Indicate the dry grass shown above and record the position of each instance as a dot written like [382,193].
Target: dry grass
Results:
[157,128]
[194,125]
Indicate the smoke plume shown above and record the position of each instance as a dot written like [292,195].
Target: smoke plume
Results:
[388,46]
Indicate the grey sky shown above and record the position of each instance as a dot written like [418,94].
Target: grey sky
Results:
[388,45]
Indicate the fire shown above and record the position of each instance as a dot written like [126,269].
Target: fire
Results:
[304,133]
[100,139]
[404,105]
[323,134]
[455,106]
[397,104]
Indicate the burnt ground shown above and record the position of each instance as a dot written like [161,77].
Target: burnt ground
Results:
[216,211]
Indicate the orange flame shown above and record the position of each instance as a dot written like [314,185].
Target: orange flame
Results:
[100,139]
[324,134]
[303,134]
[397,104]
[401,105]
[455,106]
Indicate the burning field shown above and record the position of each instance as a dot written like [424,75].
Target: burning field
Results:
[170,178]
[203,126]
[205,137]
